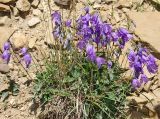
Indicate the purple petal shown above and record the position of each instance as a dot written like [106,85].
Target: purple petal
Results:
[6,46]
[100,61]
[27,59]
[6,56]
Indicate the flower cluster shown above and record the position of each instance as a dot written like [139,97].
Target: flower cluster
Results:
[91,31]
[137,60]
[6,54]
[26,56]
[60,33]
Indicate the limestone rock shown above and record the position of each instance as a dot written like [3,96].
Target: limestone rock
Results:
[32,42]
[35,3]
[4,87]
[148,28]
[6,1]
[4,8]
[5,33]
[4,68]
[139,100]
[15,11]
[124,4]
[37,12]
[33,21]
[23,5]
[4,20]
[19,40]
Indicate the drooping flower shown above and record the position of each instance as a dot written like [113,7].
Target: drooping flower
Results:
[131,56]
[23,50]
[6,56]
[68,23]
[6,46]
[151,64]
[100,61]
[109,63]
[56,17]
[137,68]
[143,78]
[135,83]
[94,19]
[107,29]
[81,44]
[86,9]
[90,52]
[114,36]
[27,59]
[125,36]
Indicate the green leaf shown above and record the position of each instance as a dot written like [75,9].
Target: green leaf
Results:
[4,95]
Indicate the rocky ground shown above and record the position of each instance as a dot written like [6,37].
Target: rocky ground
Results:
[27,23]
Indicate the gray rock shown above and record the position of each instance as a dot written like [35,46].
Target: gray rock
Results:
[4,68]
[33,21]
[23,5]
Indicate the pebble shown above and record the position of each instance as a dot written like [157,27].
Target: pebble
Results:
[23,5]
[35,3]
[19,40]
[4,68]
[33,21]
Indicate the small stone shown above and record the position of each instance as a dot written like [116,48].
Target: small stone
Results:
[32,42]
[23,5]
[33,21]
[96,6]
[92,2]
[124,4]
[4,68]
[139,100]
[35,3]
[23,80]
[13,102]
[15,11]
[98,1]
[6,1]
[157,92]
[63,2]
[4,8]
[4,20]
[147,86]
[3,86]
[19,40]
[37,12]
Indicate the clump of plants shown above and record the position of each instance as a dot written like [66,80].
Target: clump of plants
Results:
[85,72]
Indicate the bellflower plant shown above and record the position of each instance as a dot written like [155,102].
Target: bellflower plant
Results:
[86,71]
